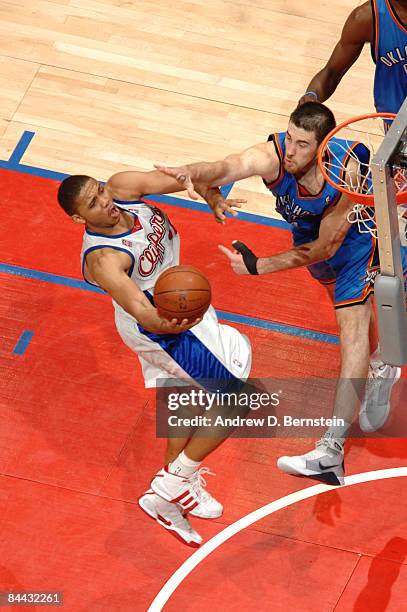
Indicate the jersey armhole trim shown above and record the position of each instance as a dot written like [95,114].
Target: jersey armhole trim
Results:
[374,43]
[105,246]
[276,141]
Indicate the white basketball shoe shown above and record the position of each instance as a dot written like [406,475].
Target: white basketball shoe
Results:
[325,462]
[189,492]
[170,517]
[208,507]
[375,407]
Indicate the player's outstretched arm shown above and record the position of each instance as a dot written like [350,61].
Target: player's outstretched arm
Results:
[108,269]
[260,159]
[332,231]
[133,185]
[357,31]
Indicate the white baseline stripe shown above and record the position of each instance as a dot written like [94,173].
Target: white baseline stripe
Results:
[205,550]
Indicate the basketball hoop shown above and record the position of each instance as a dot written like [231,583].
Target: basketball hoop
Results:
[351,173]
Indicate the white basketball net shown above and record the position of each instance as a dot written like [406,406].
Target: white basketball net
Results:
[359,180]
[364,217]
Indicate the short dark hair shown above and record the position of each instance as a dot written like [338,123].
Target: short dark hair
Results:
[314,117]
[69,190]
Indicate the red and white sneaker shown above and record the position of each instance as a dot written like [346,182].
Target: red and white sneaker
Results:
[208,507]
[169,516]
[176,489]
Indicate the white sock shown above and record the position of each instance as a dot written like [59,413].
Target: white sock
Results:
[338,432]
[183,465]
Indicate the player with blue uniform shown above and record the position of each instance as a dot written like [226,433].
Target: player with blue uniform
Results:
[389,52]
[127,244]
[350,269]
[382,24]
[335,251]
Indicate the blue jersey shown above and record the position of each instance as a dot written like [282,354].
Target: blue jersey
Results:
[354,265]
[389,52]
[302,210]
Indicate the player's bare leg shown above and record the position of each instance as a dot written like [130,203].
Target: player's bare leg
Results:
[182,481]
[174,447]
[326,461]
[373,332]
[375,406]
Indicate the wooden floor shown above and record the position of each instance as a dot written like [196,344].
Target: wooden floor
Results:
[108,84]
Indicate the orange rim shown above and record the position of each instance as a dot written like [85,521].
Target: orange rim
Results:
[360,198]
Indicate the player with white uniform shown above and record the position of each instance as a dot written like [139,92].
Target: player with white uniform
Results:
[153,245]
[127,244]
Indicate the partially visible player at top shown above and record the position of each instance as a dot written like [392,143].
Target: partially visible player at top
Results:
[127,244]
[383,24]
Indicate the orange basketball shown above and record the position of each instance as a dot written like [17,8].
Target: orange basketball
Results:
[182,292]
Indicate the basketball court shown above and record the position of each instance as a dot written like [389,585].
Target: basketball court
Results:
[94,87]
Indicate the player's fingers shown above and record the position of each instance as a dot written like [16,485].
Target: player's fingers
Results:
[191,191]
[219,216]
[236,203]
[165,170]
[198,320]
[226,251]
[232,211]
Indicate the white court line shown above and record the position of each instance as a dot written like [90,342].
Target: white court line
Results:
[186,568]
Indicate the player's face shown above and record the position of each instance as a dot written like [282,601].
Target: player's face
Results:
[95,206]
[301,149]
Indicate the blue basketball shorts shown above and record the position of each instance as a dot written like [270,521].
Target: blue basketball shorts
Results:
[352,270]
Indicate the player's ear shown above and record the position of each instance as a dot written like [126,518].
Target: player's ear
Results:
[78,219]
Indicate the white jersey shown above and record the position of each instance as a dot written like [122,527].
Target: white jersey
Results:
[152,243]
[209,351]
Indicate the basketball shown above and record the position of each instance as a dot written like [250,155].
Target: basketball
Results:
[182,292]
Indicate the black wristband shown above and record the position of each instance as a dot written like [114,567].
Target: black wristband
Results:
[249,258]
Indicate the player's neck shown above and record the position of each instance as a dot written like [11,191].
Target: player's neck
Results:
[311,178]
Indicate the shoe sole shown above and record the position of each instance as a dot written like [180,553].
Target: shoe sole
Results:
[206,518]
[154,516]
[167,527]
[328,477]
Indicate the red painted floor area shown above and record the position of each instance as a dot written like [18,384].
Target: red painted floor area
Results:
[78,446]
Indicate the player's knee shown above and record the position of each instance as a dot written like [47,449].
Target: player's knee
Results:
[354,334]
[354,328]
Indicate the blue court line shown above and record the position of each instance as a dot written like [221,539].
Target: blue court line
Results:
[282,328]
[291,330]
[23,342]
[226,189]
[20,149]
[56,279]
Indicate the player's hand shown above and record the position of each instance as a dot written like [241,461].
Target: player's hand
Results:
[235,260]
[242,259]
[226,206]
[183,175]
[156,324]
[307,98]
[177,327]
